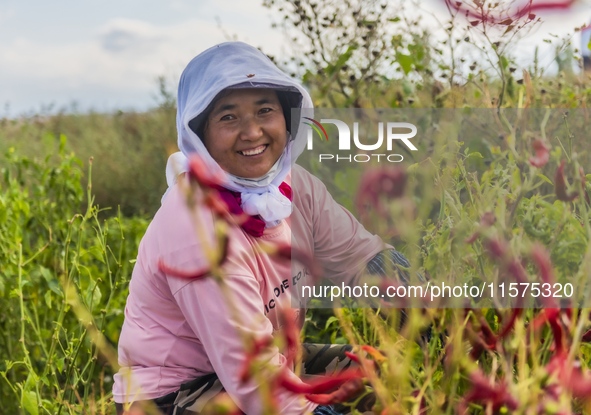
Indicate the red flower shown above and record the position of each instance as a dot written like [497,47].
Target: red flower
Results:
[542,154]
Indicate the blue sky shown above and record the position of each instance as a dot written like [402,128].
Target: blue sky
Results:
[107,54]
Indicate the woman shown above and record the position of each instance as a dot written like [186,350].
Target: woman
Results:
[182,341]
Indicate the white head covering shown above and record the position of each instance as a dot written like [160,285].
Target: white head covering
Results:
[235,65]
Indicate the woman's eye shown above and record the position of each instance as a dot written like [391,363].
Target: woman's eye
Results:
[265,110]
[227,117]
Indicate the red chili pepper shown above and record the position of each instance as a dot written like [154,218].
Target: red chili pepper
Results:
[377,184]
[346,392]
[515,268]
[354,357]
[516,312]
[483,391]
[319,385]
[496,247]
[373,352]
[199,171]
[570,376]
[560,185]
[291,334]
[363,362]
[583,181]
[258,345]
[543,317]
[486,221]
[542,154]
[508,18]
[166,269]
[488,335]
[423,405]
[181,273]
[541,258]
[216,204]
[551,316]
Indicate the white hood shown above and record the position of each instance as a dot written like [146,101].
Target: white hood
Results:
[237,65]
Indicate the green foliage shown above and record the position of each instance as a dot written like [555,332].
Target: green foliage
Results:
[66,263]
[57,254]
[129,149]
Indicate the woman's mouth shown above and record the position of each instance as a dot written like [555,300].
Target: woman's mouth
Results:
[254,151]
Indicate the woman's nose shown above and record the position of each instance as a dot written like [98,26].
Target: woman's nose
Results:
[250,129]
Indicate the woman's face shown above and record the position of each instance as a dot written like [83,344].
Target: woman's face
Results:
[245,131]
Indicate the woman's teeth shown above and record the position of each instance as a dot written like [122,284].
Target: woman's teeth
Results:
[254,151]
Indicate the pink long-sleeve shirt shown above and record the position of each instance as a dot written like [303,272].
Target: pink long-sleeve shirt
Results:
[178,329]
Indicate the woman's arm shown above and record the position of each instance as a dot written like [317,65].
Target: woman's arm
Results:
[222,321]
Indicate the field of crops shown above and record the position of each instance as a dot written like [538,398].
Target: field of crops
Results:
[499,193]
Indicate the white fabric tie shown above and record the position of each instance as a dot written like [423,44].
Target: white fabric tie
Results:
[272,206]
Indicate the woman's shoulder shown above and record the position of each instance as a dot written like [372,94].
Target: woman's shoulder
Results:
[304,181]
[182,222]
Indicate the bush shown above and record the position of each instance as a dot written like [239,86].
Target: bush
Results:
[63,287]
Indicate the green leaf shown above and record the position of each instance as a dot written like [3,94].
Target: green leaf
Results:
[544,178]
[29,402]
[93,296]
[331,69]
[45,381]
[59,363]
[330,320]
[405,62]
[474,155]
[51,280]
[48,299]
[504,62]
[516,178]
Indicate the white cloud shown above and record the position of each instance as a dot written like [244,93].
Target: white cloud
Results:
[124,57]
[6,14]
[130,36]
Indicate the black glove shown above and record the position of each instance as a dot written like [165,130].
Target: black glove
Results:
[325,410]
[391,260]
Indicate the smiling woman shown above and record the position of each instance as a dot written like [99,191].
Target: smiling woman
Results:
[245,131]
[187,337]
